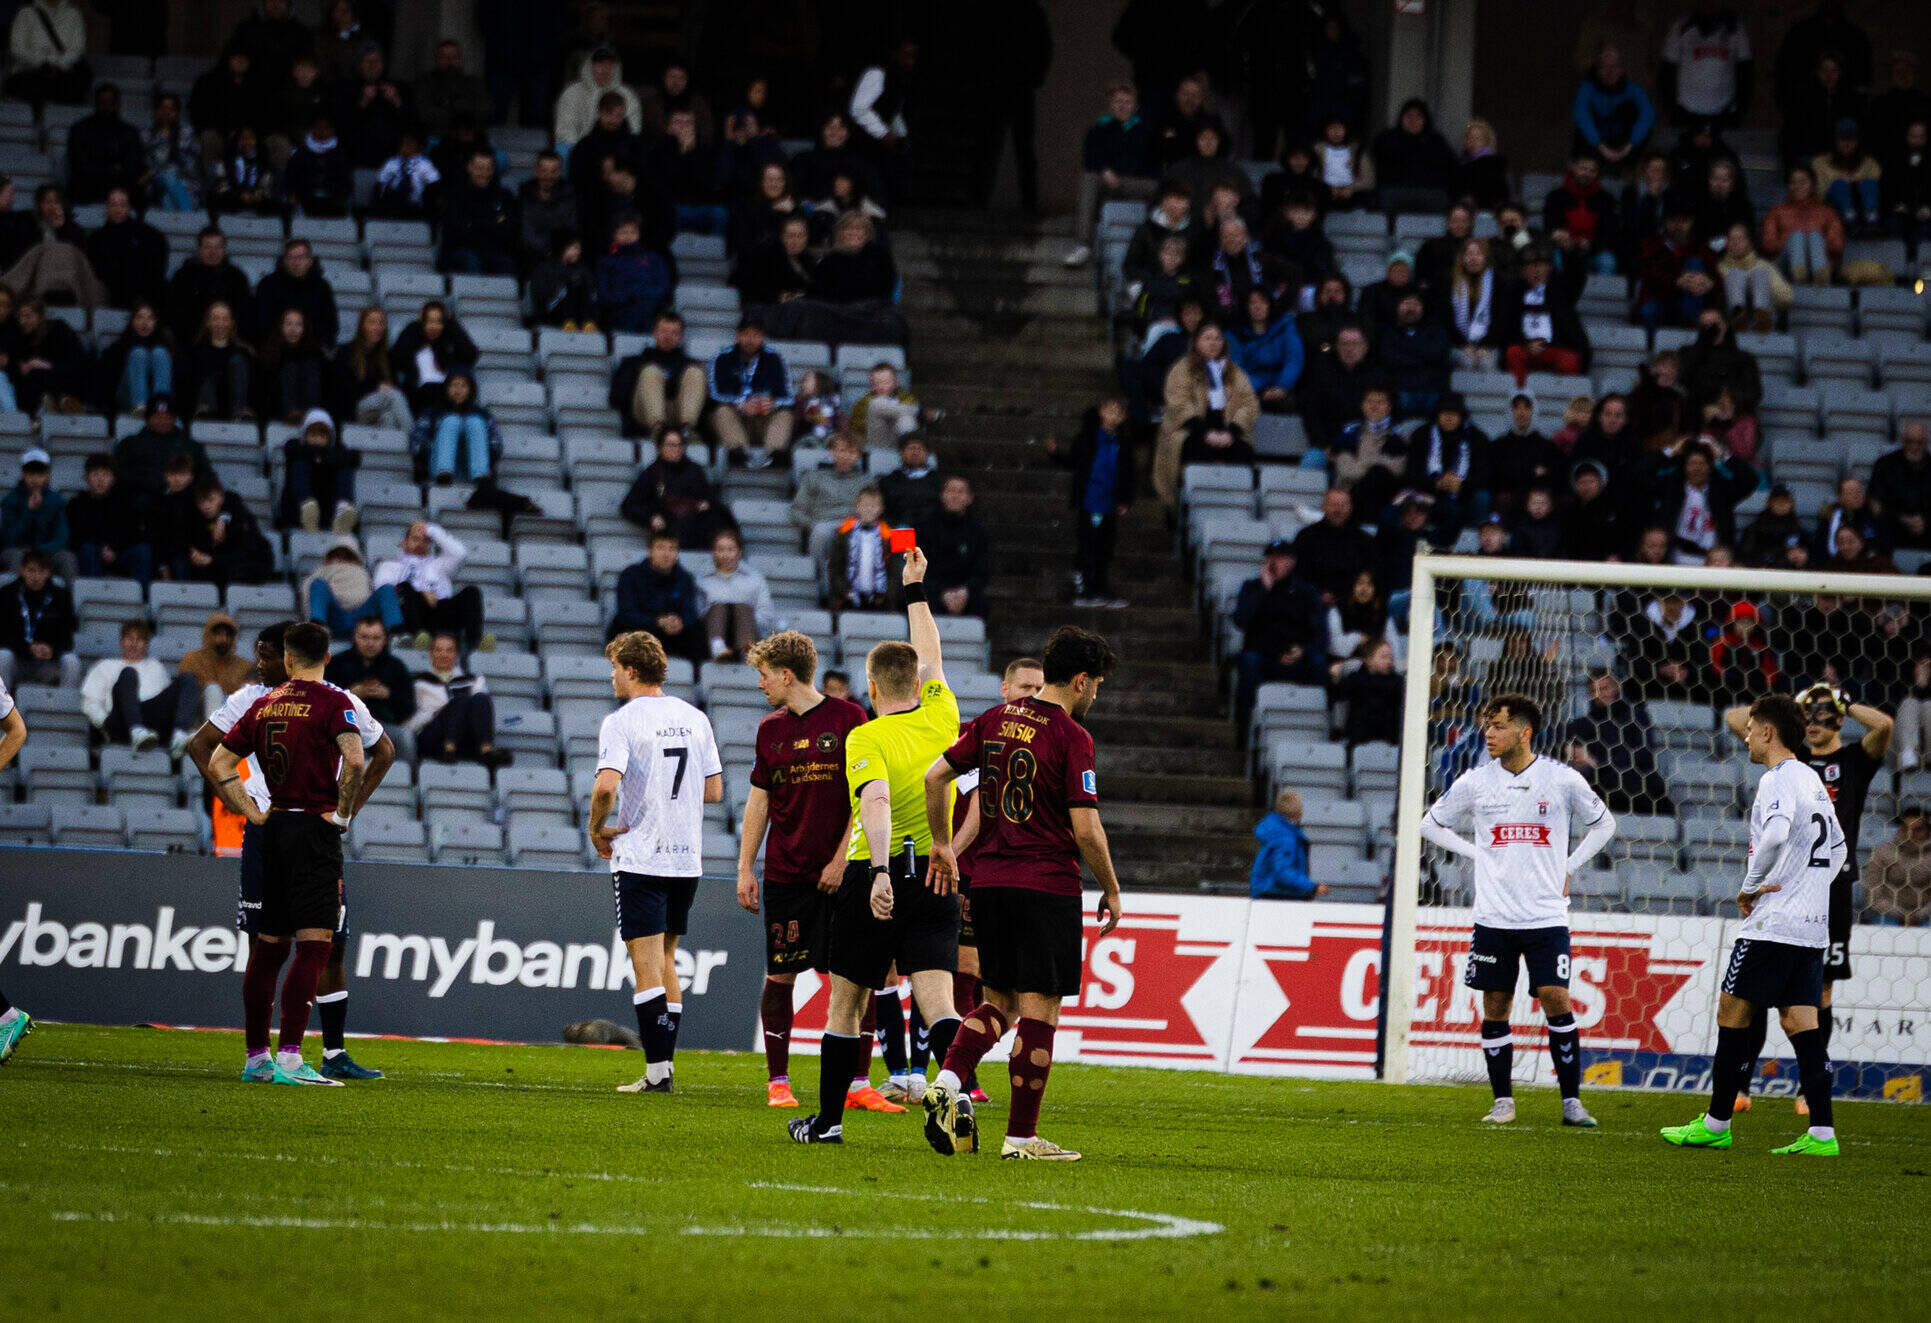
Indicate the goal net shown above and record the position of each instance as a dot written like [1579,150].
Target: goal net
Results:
[1634,667]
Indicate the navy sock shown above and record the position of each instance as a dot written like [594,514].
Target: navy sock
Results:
[891,1030]
[921,1052]
[1565,1047]
[5,1005]
[1498,1052]
[653,1025]
[333,1010]
[1731,1048]
[1826,1022]
[838,1058]
[1813,1072]
[941,1035]
[675,1013]
[1758,1031]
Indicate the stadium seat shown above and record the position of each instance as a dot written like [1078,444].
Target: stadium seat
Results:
[1891,316]
[456,788]
[137,780]
[529,734]
[177,831]
[1776,354]
[89,826]
[514,678]
[1299,764]
[547,846]
[1838,358]
[257,606]
[1334,822]
[548,568]
[1791,407]
[383,838]
[26,824]
[1825,308]
[564,623]
[1596,889]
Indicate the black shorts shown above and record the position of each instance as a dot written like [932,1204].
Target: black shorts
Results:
[797,919]
[922,934]
[301,874]
[1837,956]
[968,935]
[248,905]
[1494,953]
[652,906]
[1776,974]
[1029,941]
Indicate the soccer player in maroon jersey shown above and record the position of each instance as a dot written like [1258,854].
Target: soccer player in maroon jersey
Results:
[798,794]
[1039,815]
[303,733]
[1022,679]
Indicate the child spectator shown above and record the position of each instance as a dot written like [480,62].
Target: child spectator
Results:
[104,530]
[825,495]
[1850,179]
[1742,663]
[1802,232]
[171,516]
[672,495]
[1371,686]
[37,627]
[1346,172]
[1538,534]
[456,438]
[633,281]
[735,599]
[402,185]
[819,405]
[366,388]
[138,366]
[885,413]
[1102,461]
[320,180]
[1281,865]
[225,542]
[244,179]
[862,575]
[221,369]
[33,515]
[562,289]
[1575,419]
[321,476]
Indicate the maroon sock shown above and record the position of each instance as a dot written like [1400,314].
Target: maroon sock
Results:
[775,1011]
[965,993]
[867,1030]
[298,992]
[258,991]
[1032,1058]
[979,1034]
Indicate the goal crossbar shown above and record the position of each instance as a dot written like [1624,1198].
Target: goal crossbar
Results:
[1411,790]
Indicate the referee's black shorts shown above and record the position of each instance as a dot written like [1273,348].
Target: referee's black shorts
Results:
[923,932]
[1029,941]
[301,882]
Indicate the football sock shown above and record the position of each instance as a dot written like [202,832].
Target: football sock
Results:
[979,1034]
[774,1008]
[333,1008]
[258,992]
[1731,1045]
[6,1007]
[675,1011]
[891,1030]
[838,1056]
[868,1032]
[1826,1022]
[1565,1046]
[1758,1031]
[965,992]
[1498,1051]
[1813,1073]
[921,1046]
[653,1025]
[1032,1058]
[298,992]
[940,1036]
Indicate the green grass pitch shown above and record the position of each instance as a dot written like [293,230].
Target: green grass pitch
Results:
[140,1178]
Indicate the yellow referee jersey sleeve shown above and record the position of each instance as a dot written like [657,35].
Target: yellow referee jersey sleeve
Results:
[898,748]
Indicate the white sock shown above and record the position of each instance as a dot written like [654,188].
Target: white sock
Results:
[13,1013]
[289,1057]
[331,1053]
[657,1072]
[1714,1126]
[258,1056]
[947,1080]
[1823,1132]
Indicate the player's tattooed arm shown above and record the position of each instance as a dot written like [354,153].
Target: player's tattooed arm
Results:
[348,781]
[1090,836]
[224,769]
[201,749]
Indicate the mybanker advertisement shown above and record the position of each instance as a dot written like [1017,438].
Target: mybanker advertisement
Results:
[503,953]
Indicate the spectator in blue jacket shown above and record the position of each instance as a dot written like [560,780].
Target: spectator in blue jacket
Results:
[751,398]
[1613,116]
[33,516]
[659,596]
[1268,349]
[1116,161]
[1280,869]
[633,281]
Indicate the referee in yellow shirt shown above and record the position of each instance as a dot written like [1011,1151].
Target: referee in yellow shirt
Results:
[884,913]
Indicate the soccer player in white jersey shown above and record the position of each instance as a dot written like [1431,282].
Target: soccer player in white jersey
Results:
[657,767]
[1519,808]
[15,1024]
[1796,847]
[332,992]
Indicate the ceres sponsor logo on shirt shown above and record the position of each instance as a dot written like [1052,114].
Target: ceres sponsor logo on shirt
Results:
[1519,833]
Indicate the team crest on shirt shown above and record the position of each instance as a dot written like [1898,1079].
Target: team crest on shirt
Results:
[827,742]
[1832,771]
[1542,808]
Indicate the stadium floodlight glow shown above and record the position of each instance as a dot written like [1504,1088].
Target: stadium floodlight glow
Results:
[1651,923]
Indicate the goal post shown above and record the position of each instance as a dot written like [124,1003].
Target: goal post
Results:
[1654,914]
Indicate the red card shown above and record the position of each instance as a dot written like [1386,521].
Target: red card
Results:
[904,539]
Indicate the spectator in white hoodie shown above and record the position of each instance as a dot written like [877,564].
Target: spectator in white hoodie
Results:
[455,718]
[424,578]
[132,696]
[735,599]
[577,107]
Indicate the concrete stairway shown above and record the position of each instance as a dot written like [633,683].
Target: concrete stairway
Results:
[1008,342]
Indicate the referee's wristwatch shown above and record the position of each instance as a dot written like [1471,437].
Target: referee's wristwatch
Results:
[881,868]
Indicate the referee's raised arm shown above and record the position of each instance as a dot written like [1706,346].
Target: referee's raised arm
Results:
[918,616]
